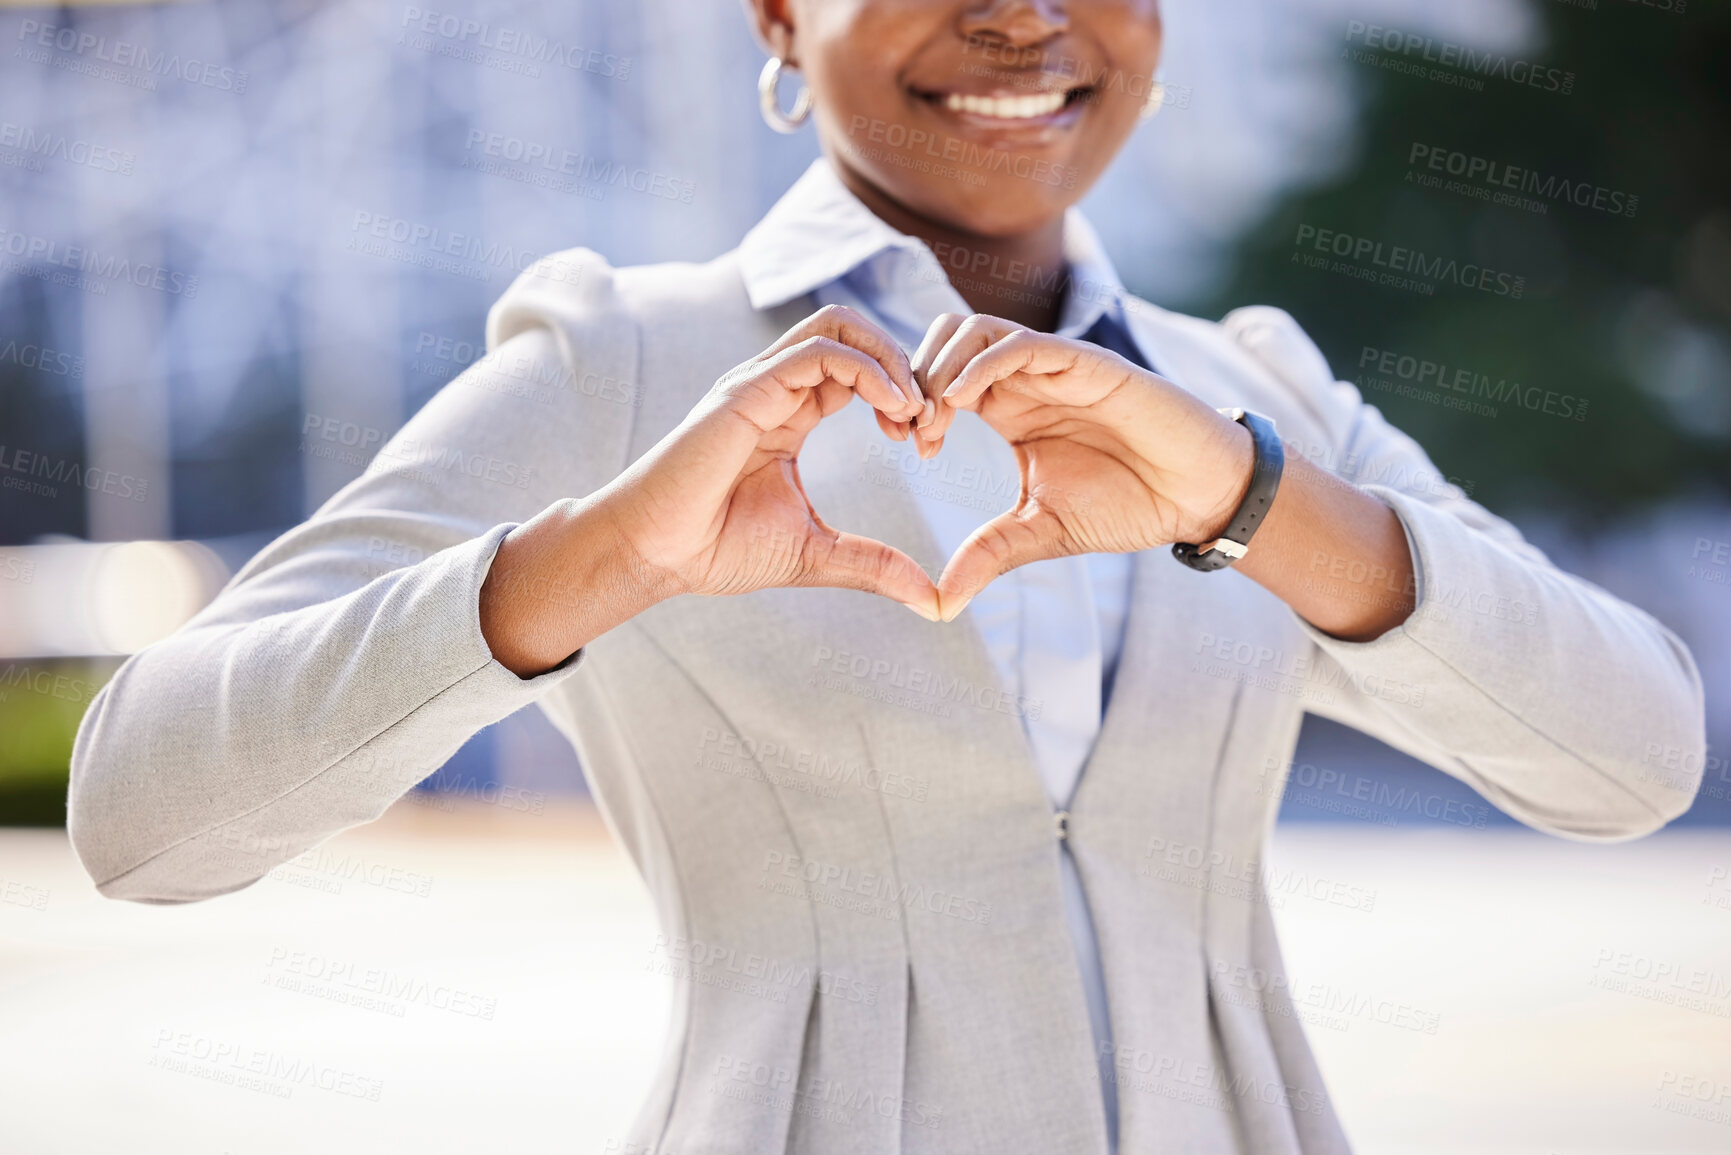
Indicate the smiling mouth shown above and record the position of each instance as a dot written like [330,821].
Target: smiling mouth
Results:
[1008,106]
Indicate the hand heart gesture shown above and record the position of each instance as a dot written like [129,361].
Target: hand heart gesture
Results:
[1113,458]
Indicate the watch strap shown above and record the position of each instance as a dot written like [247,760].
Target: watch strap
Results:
[1269,458]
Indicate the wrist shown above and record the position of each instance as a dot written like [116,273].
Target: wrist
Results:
[1231,466]
[558,581]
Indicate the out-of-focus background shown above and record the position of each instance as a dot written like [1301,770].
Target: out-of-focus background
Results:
[241,244]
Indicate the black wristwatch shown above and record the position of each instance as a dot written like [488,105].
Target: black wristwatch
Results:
[1270,459]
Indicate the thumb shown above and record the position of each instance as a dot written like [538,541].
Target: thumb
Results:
[863,563]
[1009,540]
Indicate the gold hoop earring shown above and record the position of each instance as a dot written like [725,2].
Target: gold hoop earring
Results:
[770,105]
[1156,100]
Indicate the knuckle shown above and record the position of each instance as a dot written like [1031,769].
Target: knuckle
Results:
[817,346]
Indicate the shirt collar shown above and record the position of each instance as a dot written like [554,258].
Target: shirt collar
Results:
[819,232]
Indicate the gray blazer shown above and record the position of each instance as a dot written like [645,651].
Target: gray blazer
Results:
[830,799]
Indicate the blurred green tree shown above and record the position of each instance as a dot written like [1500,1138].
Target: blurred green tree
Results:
[1623,304]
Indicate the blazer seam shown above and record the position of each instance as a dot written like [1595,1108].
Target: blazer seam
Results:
[901,925]
[811,914]
[1534,730]
[684,910]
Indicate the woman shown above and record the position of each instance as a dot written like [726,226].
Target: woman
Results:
[967,942]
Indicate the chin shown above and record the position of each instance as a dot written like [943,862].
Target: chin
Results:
[995,209]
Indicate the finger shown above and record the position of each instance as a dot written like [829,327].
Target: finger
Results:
[861,563]
[852,328]
[938,334]
[894,430]
[817,360]
[1009,540]
[968,340]
[1051,369]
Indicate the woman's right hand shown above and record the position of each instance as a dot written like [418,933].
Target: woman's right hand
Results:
[716,507]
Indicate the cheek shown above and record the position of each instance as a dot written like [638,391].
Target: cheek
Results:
[855,76]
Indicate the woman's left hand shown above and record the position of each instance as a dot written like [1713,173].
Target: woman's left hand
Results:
[1113,458]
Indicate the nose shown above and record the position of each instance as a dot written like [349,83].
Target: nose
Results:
[1020,23]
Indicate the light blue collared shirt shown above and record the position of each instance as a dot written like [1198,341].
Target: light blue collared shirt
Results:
[1055,628]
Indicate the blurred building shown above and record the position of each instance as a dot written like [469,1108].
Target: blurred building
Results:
[243,243]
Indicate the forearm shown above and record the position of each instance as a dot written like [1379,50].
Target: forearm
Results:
[255,733]
[1572,711]
[558,582]
[1362,586]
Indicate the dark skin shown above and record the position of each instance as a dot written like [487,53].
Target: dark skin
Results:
[972,125]
[875,66]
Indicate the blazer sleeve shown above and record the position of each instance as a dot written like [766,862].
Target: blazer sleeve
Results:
[1562,705]
[345,662]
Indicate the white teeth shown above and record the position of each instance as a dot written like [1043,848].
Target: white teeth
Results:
[1006,107]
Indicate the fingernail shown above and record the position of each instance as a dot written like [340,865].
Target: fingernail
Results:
[923,612]
[951,613]
[928,413]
